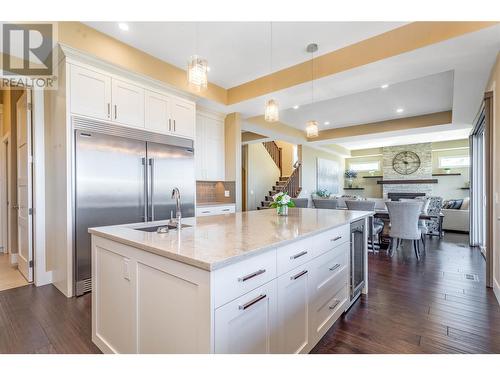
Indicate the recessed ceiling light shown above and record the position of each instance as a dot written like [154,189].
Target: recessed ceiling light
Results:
[400,110]
[326,123]
[123,26]
[384,86]
[295,107]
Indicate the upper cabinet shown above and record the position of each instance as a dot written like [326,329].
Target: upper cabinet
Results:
[128,103]
[209,154]
[158,112]
[90,93]
[104,96]
[183,116]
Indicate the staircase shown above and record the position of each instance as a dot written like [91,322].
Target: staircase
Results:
[290,185]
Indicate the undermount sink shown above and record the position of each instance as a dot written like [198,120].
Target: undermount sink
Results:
[161,228]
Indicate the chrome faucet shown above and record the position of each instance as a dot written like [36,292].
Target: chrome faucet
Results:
[176,194]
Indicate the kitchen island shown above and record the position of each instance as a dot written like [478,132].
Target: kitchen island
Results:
[249,282]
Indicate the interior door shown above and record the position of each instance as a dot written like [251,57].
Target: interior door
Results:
[24,187]
[170,167]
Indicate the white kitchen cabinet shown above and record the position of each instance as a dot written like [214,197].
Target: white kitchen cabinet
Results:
[293,310]
[122,101]
[209,153]
[157,112]
[248,324]
[90,93]
[128,103]
[183,116]
[215,210]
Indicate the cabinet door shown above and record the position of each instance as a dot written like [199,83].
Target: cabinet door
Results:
[183,114]
[247,325]
[293,311]
[214,137]
[157,112]
[128,103]
[90,93]
[199,148]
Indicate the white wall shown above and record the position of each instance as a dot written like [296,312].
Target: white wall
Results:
[449,187]
[262,174]
[309,162]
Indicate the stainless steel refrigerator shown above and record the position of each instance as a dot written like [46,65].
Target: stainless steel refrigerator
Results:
[125,176]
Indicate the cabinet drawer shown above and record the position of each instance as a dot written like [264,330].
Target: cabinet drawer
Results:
[328,266]
[247,325]
[235,280]
[325,314]
[215,210]
[294,254]
[331,239]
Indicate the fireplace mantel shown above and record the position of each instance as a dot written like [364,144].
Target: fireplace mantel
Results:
[403,182]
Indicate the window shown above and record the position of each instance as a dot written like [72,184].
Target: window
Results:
[454,161]
[365,166]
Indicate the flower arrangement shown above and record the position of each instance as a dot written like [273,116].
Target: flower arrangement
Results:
[323,193]
[281,201]
[350,174]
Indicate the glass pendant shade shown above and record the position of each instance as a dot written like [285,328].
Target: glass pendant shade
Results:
[197,73]
[312,129]
[272,113]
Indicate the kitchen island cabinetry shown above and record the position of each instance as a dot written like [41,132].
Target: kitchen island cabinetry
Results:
[279,295]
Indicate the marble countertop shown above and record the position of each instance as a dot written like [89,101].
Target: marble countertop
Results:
[213,242]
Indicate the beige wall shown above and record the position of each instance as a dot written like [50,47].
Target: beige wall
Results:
[449,187]
[493,85]
[232,153]
[262,174]
[287,155]
[309,161]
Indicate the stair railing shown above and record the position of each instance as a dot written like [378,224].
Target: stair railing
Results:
[293,184]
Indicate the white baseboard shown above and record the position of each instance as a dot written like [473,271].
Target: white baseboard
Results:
[496,290]
[13,258]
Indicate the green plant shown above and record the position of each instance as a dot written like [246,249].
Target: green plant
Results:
[282,199]
[323,193]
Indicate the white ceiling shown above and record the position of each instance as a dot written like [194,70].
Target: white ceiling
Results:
[447,75]
[429,94]
[238,52]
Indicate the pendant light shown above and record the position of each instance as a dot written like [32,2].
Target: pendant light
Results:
[272,112]
[312,129]
[197,71]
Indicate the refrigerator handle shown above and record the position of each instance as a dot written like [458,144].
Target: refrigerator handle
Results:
[145,166]
[151,187]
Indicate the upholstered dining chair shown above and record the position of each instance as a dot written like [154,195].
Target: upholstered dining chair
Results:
[404,217]
[325,203]
[377,224]
[301,202]
[424,208]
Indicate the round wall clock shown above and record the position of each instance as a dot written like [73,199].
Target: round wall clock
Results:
[406,162]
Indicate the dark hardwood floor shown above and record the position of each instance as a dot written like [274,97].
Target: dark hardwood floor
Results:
[412,307]
[425,306]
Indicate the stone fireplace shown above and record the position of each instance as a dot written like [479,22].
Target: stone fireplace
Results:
[424,152]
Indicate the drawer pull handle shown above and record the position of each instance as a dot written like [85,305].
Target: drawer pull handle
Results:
[334,267]
[205,212]
[302,253]
[251,275]
[252,302]
[336,238]
[331,307]
[225,209]
[298,275]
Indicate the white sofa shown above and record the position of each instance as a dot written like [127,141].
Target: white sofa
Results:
[457,219]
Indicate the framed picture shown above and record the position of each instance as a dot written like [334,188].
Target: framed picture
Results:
[327,175]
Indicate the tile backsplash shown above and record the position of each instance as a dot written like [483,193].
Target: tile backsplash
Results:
[215,191]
